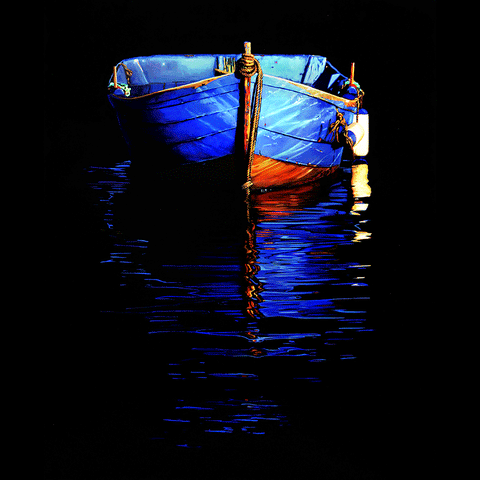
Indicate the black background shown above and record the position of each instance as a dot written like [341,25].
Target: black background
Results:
[393,46]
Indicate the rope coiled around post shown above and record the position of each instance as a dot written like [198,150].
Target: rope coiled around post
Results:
[247,66]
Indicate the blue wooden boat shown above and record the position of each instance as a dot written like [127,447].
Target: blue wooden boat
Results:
[285,119]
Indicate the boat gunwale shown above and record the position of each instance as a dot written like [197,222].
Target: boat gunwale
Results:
[310,91]
[197,84]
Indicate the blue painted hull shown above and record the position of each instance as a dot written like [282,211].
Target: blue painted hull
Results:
[294,125]
[201,121]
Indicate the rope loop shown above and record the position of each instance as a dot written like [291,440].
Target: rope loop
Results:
[338,130]
[128,72]
[247,65]
[359,92]
[360,95]
[335,127]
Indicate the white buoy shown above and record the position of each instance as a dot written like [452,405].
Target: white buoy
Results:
[359,129]
[360,149]
[358,132]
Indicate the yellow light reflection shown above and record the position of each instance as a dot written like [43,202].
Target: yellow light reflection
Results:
[360,236]
[360,188]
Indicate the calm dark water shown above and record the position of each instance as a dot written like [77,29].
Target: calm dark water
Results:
[202,333]
[256,298]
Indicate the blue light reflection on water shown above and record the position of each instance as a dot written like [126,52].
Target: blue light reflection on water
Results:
[294,287]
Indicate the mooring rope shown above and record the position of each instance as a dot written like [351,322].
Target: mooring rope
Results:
[336,130]
[122,86]
[247,66]
[128,72]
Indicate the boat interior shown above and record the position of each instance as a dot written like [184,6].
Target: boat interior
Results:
[151,74]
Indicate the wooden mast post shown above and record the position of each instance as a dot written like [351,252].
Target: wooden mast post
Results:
[248,104]
[115,77]
[352,71]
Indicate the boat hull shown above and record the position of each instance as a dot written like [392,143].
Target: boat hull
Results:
[191,124]
[203,122]
[268,173]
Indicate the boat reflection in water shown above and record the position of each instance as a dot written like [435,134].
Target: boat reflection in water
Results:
[294,289]
[293,252]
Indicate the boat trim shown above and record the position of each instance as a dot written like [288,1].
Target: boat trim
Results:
[270,173]
[322,95]
[198,84]
[313,92]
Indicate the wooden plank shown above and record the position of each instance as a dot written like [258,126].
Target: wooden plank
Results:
[270,173]
[313,92]
[194,85]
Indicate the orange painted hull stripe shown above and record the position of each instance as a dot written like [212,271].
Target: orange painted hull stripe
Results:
[268,173]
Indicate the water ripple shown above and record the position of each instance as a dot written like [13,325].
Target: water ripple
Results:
[291,284]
